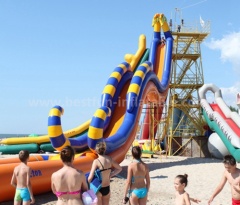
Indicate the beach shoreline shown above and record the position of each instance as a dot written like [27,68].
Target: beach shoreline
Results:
[204,175]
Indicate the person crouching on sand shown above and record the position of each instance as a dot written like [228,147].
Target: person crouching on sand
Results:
[232,175]
[182,197]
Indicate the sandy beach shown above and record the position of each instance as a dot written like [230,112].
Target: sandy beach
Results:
[203,175]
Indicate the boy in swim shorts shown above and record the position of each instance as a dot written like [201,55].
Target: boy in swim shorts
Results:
[232,175]
[21,181]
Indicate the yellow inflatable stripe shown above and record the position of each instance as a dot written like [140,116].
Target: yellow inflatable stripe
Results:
[100,114]
[67,143]
[78,155]
[163,19]
[123,67]
[142,44]
[109,89]
[95,133]
[139,73]
[157,27]
[55,112]
[134,88]
[139,53]
[165,27]
[54,157]
[116,75]
[55,130]
[146,66]
[156,22]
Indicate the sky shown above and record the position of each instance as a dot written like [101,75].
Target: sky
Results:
[62,52]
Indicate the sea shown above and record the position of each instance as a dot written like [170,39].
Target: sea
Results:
[2,136]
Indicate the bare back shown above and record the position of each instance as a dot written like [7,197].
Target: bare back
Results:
[105,163]
[21,174]
[69,179]
[139,172]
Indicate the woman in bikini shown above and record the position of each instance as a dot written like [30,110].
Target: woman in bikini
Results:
[138,180]
[68,183]
[105,164]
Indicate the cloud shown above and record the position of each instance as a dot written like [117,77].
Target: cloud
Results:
[229,47]
[230,94]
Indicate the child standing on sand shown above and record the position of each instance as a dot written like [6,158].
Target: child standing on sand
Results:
[21,181]
[138,179]
[182,197]
[232,175]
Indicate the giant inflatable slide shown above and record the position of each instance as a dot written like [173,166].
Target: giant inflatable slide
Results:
[222,120]
[143,77]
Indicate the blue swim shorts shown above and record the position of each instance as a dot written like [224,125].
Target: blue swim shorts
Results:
[140,193]
[22,194]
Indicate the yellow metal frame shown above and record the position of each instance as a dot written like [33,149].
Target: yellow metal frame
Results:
[152,125]
[187,77]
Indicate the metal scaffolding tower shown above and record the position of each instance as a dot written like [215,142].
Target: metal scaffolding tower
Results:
[183,119]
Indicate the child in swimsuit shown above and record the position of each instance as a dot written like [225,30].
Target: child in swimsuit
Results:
[68,183]
[232,175]
[104,163]
[21,180]
[182,197]
[138,180]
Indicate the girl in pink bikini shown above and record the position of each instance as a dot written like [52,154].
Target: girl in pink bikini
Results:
[68,183]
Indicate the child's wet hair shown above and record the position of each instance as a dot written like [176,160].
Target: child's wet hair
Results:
[100,148]
[229,159]
[183,179]
[67,154]
[136,152]
[23,155]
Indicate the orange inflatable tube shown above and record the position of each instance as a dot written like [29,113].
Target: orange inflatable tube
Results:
[43,169]
[41,174]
